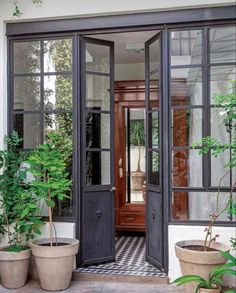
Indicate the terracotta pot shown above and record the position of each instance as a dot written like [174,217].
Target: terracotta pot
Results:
[193,262]
[138,179]
[203,290]
[55,263]
[14,267]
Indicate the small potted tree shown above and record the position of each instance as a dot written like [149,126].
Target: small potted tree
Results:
[199,257]
[19,220]
[54,256]
[137,139]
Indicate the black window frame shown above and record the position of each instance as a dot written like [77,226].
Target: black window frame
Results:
[182,19]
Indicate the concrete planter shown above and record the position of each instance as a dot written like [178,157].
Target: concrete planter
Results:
[202,290]
[193,262]
[14,267]
[55,264]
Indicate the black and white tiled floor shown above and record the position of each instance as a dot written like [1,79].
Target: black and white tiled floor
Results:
[130,260]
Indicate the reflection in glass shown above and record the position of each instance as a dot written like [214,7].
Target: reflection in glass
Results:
[26,57]
[28,127]
[98,168]
[154,90]
[59,123]
[186,168]
[26,93]
[154,176]
[222,78]
[135,154]
[97,92]
[199,205]
[98,130]
[58,55]
[186,86]
[57,92]
[154,129]
[186,47]
[97,58]
[223,44]
[186,126]
[154,55]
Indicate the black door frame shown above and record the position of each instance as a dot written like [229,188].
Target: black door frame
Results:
[76,27]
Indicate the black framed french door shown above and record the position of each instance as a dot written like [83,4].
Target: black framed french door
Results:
[97,91]
[154,204]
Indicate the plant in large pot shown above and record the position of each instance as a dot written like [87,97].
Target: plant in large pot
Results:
[54,256]
[199,257]
[214,281]
[19,220]
[137,139]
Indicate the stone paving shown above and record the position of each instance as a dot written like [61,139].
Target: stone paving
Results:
[99,287]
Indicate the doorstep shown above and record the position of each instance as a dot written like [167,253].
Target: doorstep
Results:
[100,277]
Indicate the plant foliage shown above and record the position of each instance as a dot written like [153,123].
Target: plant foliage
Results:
[19,216]
[49,168]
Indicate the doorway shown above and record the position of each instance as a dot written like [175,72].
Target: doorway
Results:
[121,90]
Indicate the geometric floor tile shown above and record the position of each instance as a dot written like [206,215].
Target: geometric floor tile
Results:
[130,260]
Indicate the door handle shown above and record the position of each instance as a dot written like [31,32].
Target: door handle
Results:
[113,188]
[99,213]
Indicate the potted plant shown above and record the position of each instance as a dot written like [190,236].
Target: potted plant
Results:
[19,218]
[213,283]
[54,256]
[137,139]
[199,257]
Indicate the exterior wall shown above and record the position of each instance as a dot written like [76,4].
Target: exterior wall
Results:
[179,232]
[71,8]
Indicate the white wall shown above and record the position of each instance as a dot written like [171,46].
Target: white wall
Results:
[179,232]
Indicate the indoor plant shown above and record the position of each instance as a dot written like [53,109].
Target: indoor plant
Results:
[19,218]
[137,139]
[54,256]
[214,281]
[199,257]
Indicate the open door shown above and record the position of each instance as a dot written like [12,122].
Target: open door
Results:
[154,204]
[97,211]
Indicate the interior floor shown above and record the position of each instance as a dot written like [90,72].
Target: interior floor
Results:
[130,260]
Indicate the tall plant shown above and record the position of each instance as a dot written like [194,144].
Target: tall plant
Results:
[49,168]
[19,216]
[213,145]
[137,138]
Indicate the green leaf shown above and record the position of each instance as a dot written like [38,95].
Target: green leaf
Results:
[50,203]
[188,278]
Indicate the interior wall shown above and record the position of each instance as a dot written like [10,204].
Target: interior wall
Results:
[135,71]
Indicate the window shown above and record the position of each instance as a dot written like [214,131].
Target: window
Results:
[42,98]
[198,73]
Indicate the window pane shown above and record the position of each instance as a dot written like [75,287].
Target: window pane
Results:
[97,92]
[186,168]
[97,58]
[223,44]
[154,55]
[222,78]
[219,128]
[186,126]
[26,93]
[60,123]
[199,205]
[98,130]
[186,86]
[58,55]
[26,57]
[57,92]
[154,176]
[220,175]
[98,168]
[154,129]
[154,92]
[186,47]
[28,127]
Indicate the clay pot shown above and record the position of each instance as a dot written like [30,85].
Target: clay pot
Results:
[55,263]
[193,262]
[14,267]
[138,179]
[203,290]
